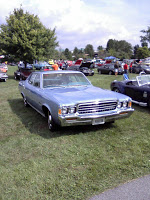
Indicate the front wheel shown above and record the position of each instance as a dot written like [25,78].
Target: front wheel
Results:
[99,71]
[116,90]
[110,73]
[51,124]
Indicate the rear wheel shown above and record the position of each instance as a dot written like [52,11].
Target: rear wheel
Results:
[25,102]
[110,73]
[148,103]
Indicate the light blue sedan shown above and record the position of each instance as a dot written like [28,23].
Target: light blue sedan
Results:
[67,98]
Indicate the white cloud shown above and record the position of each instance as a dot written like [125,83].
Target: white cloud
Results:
[82,22]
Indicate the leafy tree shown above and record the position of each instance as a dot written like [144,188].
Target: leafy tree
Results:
[25,38]
[120,49]
[68,54]
[110,44]
[142,52]
[135,50]
[144,44]
[76,52]
[99,48]
[146,37]
[89,50]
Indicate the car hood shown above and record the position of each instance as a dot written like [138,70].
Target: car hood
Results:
[76,95]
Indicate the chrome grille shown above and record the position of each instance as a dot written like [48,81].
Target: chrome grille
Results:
[96,107]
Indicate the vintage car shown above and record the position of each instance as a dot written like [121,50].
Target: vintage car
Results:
[68,98]
[137,68]
[3,76]
[138,89]
[84,68]
[22,65]
[22,73]
[41,65]
[4,66]
[109,69]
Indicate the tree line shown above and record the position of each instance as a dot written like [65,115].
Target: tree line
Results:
[25,38]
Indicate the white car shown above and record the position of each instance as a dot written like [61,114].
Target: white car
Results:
[3,76]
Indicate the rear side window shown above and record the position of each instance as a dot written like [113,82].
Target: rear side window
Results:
[35,80]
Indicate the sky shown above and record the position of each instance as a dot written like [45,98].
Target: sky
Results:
[82,22]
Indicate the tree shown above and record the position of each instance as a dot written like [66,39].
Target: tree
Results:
[99,48]
[75,52]
[135,50]
[146,37]
[142,52]
[89,50]
[120,49]
[68,54]
[26,38]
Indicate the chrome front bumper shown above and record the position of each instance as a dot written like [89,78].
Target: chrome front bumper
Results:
[94,119]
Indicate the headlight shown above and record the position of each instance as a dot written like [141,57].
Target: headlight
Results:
[64,110]
[125,104]
[71,110]
[67,110]
[119,105]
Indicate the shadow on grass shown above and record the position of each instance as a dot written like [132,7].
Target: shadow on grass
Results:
[141,108]
[11,77]
[37,124]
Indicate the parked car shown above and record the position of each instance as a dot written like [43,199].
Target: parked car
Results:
[84,68]
[109,69]
[4,67]
[138,89]
[41,65]
[68,98]
[22,73]
[99,62]
[3,76]
[22,65]
[137,68]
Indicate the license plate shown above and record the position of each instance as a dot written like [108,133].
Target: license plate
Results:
[98,121]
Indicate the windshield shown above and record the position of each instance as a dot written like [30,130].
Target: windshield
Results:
[64,80]
[143,79]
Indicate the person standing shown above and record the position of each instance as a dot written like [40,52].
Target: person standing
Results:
[130,68]
[116,66]
[55,66]
[125,68]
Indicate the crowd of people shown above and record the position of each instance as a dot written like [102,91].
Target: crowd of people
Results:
[125,66]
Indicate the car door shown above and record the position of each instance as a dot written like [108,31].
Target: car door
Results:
[135,92]
[35,91]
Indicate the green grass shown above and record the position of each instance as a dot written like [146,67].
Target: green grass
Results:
[73,163]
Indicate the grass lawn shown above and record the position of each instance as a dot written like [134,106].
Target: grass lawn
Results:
[73,163]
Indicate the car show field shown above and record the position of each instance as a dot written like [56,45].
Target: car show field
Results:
[73,162]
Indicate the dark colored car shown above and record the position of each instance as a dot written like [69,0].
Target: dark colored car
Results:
[84,68]
[22,73]
[137,68]
[109,69]
[138,89]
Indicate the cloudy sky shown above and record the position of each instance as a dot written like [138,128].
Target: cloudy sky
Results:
[82,22]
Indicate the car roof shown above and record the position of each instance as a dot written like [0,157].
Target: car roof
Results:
[58,72]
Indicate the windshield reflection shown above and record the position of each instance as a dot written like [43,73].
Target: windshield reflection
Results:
[64,80]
